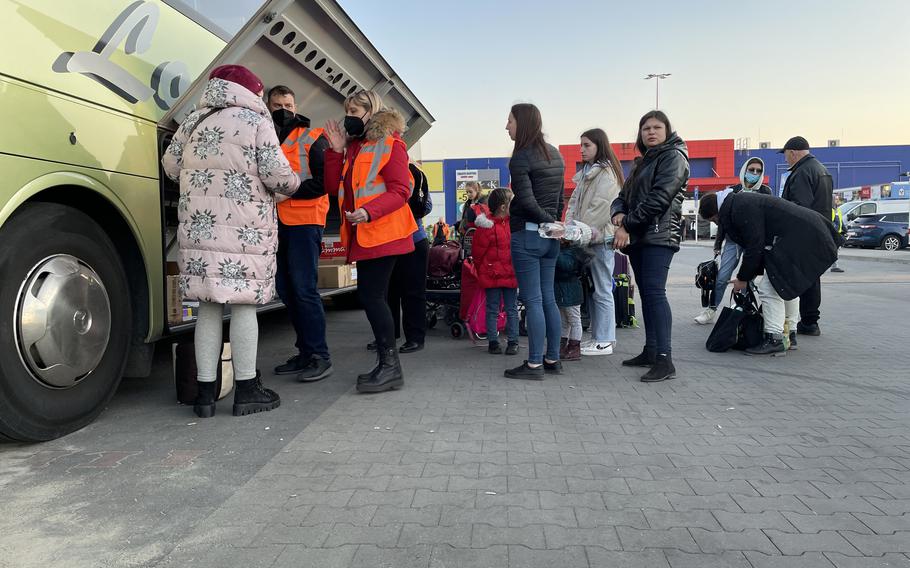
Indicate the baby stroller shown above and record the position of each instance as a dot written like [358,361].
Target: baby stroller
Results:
[453,291]
[444,285]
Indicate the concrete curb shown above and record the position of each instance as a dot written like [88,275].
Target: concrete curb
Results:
[898,257]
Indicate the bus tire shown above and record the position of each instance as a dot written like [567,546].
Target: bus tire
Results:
[66,292]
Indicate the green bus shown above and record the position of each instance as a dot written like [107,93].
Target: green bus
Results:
[90,93]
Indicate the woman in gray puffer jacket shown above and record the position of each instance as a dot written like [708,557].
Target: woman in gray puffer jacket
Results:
[597,184]
[231,171]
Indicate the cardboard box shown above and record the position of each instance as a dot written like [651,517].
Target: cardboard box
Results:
[335,274]
[174,304]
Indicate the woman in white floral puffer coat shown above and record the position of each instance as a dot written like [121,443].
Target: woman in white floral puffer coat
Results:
[231,171]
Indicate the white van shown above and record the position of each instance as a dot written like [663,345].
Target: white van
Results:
[853,209]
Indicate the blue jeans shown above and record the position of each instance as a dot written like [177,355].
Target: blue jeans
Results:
[299,247]
[729,258]
[495,298]
[601,308]
[651,265]
[534,259]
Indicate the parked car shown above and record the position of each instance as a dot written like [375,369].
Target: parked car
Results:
[888,231]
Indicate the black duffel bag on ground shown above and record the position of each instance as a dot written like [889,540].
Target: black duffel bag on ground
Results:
[738,327]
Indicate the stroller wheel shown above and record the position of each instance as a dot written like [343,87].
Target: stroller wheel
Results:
[458,330]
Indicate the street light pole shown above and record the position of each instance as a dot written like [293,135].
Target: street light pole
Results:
[657,76]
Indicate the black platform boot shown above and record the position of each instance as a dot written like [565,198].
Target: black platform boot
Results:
[204,405]
[251,397]
[387,377]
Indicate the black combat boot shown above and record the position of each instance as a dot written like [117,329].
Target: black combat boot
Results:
[646,358]
[772,345]
[251,397]
[662,370]
[387,377]
[204,405]
[793,346]
[363,377]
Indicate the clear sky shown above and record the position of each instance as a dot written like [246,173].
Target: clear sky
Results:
[764,70]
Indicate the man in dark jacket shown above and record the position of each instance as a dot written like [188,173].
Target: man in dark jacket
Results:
[809,185]
[301,223]
[751,176]
[790,245]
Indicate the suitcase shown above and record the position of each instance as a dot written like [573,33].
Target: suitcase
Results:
[624,301]
[184,357]
[620,263]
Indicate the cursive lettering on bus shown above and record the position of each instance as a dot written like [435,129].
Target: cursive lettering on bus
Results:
[134,28]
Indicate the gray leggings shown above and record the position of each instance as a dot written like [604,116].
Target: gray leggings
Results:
[244,340]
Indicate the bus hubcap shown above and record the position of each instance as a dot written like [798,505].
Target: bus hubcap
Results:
[63,321]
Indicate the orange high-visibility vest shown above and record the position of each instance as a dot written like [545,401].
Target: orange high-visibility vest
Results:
[367,183]
[296,148]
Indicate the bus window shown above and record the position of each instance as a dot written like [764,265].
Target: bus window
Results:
[223,19]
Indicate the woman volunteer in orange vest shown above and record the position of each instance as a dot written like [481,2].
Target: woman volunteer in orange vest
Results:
[367,166]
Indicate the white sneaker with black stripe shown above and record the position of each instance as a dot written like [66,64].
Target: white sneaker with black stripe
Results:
[597,348]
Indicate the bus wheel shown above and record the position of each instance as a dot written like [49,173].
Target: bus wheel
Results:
[66,295]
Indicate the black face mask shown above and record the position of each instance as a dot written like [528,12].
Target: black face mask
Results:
[354,126]
[282,117]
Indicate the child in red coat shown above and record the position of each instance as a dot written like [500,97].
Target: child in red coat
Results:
[492,251]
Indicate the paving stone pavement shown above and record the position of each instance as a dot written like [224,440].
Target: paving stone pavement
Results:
[798,461]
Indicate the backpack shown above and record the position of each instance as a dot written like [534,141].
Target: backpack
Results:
[624,301]
[706,280]
[184,358]
[443,258]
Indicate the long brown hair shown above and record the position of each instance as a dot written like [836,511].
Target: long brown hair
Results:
[604,151]
[529,131]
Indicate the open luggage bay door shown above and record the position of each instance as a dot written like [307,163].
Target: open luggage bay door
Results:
[313,47]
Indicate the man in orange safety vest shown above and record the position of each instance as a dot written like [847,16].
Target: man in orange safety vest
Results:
[301,222]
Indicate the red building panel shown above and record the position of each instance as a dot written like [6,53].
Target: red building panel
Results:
[720,151]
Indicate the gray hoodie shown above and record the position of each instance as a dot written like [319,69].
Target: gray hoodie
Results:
[758,187]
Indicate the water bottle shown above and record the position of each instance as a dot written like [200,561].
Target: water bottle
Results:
[550,230]
[572,232]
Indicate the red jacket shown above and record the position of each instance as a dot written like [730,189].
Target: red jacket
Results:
[492,251]
[398,190]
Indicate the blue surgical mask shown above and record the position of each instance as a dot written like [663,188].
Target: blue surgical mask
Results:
[752,179]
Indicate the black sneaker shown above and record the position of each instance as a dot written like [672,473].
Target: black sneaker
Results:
[773,344]
[512,348]
[494,348]
[524,371]
[554,368]
[316,369]
[809,329]
[295,365]
[793,346]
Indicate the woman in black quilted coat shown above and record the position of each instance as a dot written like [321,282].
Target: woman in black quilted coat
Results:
[648,215]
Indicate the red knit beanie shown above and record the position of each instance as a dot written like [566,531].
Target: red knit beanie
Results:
[238,74]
